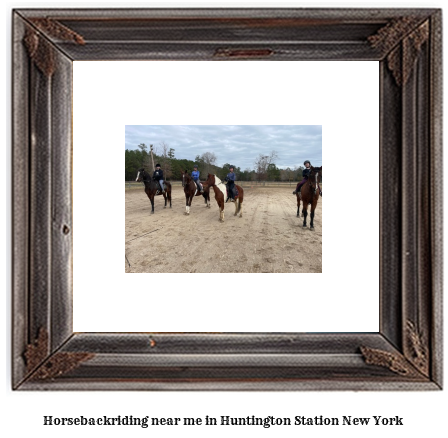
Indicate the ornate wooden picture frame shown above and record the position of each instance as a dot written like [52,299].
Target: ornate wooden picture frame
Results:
[406,353]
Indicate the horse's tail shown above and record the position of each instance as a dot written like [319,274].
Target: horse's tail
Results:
[239,206]
[240,198]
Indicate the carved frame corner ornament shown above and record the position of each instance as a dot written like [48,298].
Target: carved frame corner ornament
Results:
[41,366]
[393,361]
[40,49]
[406,353]
[413,364]
[417,350]
[401,58]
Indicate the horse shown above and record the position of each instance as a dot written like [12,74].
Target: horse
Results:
[309,194]
[221,194]
[152,188]
[191,190]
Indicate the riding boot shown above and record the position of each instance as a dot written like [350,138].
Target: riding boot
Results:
[228,197]
[294,192]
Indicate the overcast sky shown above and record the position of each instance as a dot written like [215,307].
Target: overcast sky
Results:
[239,145]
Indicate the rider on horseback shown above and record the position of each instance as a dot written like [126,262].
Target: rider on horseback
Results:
[230,178]
[158,176]
[305,175]
[195,176]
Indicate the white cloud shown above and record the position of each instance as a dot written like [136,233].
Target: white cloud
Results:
[239,144]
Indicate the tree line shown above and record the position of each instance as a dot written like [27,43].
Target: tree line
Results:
[172,167]
[264,168]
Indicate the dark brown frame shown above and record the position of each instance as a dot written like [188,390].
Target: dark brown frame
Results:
[406,354]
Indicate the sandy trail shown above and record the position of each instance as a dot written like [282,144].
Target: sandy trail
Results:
[268,238]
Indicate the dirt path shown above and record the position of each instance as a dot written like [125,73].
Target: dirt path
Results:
[268,238]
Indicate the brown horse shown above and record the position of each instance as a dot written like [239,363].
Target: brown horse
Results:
[152,188]
[221,194]
[309,193]
[191,190]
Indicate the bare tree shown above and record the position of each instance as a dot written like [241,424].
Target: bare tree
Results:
[147,160]
[165,153]
[262,164]
[209,159]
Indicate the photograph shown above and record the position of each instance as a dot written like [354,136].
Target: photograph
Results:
[235,198]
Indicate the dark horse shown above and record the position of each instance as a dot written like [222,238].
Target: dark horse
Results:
[191,190]
[309,193]
[152,187]
[220,190]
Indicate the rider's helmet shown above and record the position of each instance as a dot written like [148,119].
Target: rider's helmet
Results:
[157,165]
[231,167]
[307,161]
[195,166]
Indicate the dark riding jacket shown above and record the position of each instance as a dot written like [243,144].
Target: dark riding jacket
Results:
[305,176]
[158,175]
[306,173]
[230,178]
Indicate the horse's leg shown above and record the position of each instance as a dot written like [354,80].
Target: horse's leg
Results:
[298,205]
[312,218]
[151,200]
[240,207]
[165,197]
[221,209]
[237,201]
[305,213]
[187,211]
[169,195]
[313,207]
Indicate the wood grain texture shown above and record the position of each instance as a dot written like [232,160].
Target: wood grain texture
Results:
[61,201]
[20,195]
[435,200]
[391,236]
[406,354]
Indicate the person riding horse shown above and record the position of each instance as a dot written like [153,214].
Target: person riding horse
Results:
[195,176]
[158,176]
[230,178]
[305,175]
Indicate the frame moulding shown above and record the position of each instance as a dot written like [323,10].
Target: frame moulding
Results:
[406,354]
